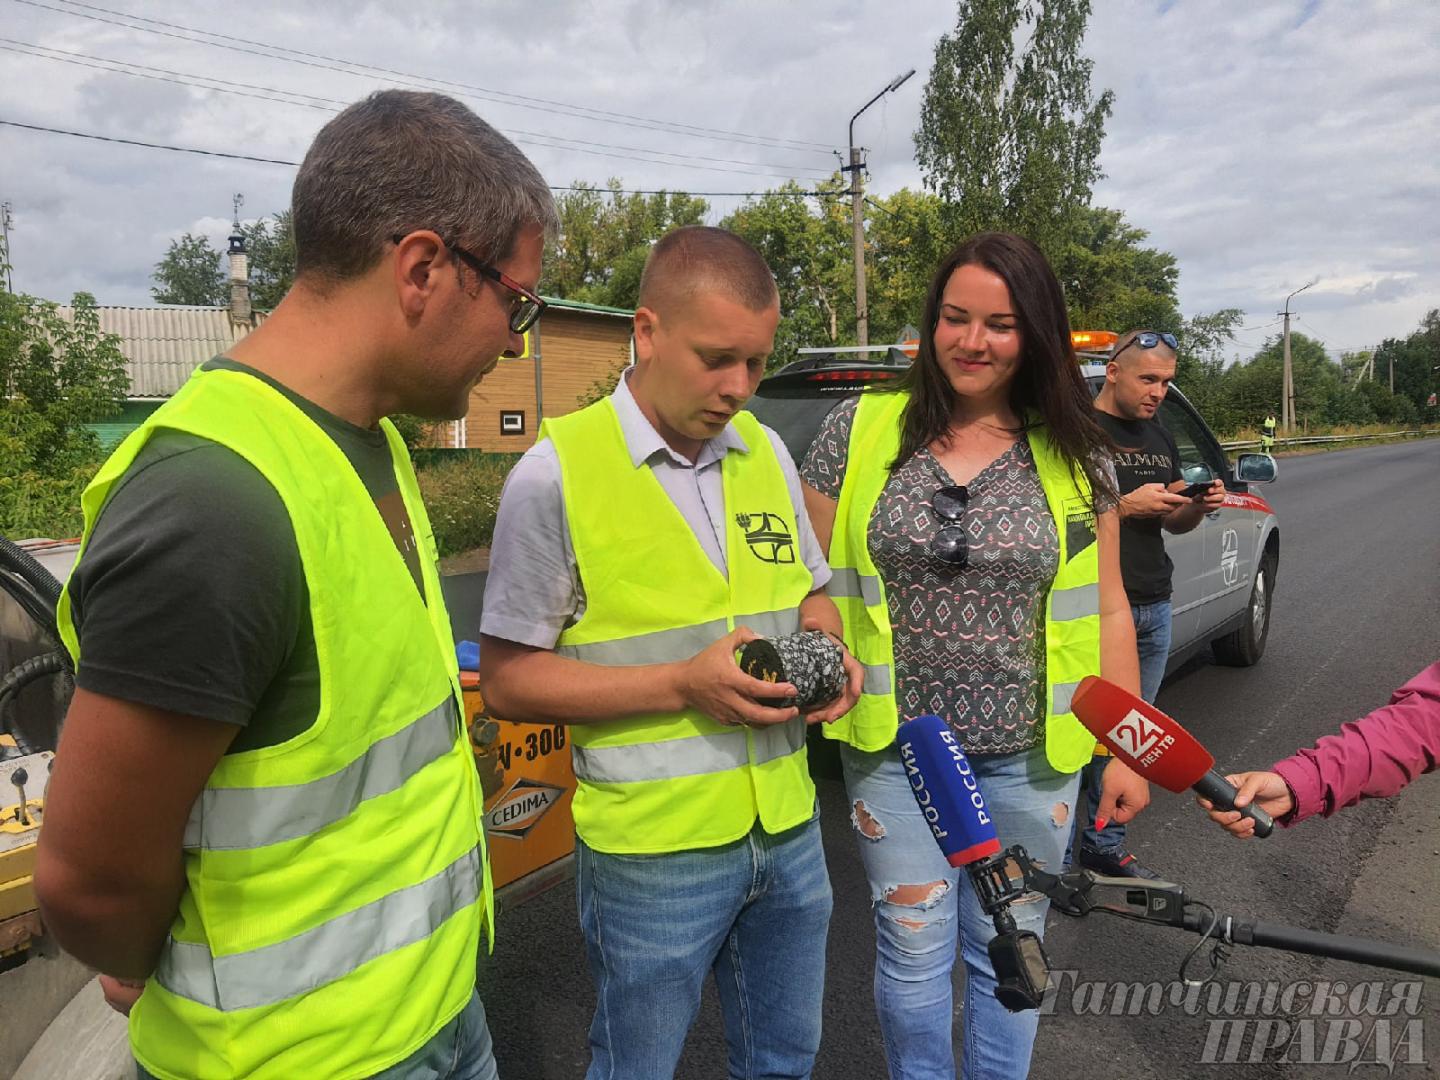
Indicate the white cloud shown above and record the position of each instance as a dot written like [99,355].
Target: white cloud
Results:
[1264,144]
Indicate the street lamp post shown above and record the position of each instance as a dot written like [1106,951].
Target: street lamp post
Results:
[1287,388]
[857,211]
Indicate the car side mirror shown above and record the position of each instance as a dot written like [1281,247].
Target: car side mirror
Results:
[1255,469]
[1198,473]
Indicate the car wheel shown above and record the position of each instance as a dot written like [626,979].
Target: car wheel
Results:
[1245,645]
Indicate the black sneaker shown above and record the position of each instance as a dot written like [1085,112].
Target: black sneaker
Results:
[1117,863]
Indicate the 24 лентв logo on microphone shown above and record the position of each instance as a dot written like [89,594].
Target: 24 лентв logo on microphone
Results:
[1135,734]
[1138,737]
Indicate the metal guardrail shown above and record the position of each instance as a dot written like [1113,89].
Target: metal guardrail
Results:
[1313,439]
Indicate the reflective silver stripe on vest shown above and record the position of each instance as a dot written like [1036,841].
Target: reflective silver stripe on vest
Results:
[847,581]
[1060,699]
[692,756]
[695,755]
[1077,603]
[228,819]
[771,623]
[275,973]
[778,740]
[877,679]
[660,647]
[667,646]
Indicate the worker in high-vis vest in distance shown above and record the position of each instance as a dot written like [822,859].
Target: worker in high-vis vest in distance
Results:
[263,826]
[639,544]
[1267,433]
[970,521]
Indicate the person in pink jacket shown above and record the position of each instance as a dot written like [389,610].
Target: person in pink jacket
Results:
[1371,758]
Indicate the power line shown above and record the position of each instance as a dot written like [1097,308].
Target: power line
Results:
[1313,331]
[280,161]
[75,59]
[356,68]
[148,145]
[265,93]
[1257,326]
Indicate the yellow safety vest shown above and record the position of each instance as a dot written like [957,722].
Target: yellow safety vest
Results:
[664,782]
[1072,607]
[336,884]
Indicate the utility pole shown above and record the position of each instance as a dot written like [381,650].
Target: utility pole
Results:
[1287,390]
[857,214]
[5,251]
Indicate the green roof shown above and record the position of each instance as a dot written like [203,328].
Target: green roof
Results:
[576,305]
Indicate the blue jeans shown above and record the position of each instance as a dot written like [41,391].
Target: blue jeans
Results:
[755,912]
[1152,644]
[922,908]
[461,1050]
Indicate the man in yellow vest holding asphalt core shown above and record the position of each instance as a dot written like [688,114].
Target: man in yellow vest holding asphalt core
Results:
[263,826]
[639,544]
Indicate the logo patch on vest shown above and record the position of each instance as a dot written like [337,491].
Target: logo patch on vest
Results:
[520,809]
[768,536]
[1079,526]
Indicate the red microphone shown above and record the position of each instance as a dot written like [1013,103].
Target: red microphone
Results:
[1155,746]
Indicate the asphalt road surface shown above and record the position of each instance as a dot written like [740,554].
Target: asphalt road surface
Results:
[1357,612]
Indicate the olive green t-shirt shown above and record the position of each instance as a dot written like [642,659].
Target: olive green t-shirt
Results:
[191,597]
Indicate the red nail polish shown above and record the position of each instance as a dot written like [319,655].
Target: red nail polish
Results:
[1100,822]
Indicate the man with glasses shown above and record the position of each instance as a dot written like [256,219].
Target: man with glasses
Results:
[639,545]
[1147,468]
[526,306]
[266,677]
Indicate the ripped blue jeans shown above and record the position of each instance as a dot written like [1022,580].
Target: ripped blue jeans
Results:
[917,896]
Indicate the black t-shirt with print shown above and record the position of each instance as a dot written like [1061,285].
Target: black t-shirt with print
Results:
[1147,455]
[190,596]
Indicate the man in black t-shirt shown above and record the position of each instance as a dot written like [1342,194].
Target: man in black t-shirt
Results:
[1147,468]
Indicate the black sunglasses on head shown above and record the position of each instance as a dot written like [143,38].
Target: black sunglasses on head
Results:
[1148,339]
[527,307]
[949,544]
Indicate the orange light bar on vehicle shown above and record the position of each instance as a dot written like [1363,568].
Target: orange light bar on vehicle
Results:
[1093,339]
[850,375]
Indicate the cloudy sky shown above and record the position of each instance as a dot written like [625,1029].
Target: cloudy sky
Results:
[1265,143]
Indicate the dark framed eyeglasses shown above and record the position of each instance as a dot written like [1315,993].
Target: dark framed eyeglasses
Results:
[527,307]
[949,544]
[1148,339]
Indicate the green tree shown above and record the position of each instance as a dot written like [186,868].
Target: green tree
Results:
[1112,281]
[270,243]
[808,248]
[193,272]
[1353,363]
[1416,359]
[605,235]
[1200,365]
[1252,389]
[905,240]
[1387,408]
[190,273]
[1010,131]
[56,376]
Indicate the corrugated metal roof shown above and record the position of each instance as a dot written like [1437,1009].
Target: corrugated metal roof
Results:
[163,345]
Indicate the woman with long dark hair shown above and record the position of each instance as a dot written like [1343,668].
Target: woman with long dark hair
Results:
[970,518]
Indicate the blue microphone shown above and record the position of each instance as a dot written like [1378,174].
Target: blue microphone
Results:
[946,790]
[948,794]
